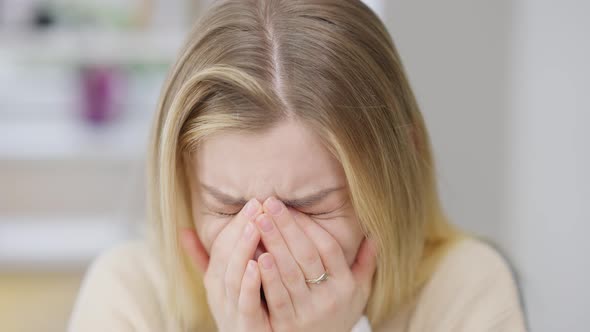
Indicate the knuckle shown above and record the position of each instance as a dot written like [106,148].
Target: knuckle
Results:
[331,305]
[291,276]
[281,303]
[331,248]
[309,258]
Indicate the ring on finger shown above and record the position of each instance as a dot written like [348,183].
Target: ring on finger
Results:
[319,279]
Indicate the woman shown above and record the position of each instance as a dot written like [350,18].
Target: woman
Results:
[292,188]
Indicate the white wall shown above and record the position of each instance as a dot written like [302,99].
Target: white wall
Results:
[549,163]
[456,56]
[504,87]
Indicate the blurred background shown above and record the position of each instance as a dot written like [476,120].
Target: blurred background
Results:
[503,86]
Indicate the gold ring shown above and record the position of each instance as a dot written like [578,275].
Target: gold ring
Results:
[319,279]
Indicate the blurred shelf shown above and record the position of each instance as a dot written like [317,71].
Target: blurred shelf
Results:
[56,243]
[71,139]
[91,46]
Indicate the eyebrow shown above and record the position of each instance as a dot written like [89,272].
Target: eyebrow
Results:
[302,202]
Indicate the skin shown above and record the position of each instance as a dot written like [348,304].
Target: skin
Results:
[240,252]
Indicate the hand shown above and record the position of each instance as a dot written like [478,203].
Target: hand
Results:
[231,278]
[299,249]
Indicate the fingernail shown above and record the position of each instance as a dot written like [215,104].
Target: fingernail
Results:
[251,267]
[266,261]
[252,207]
[264,223]
[248,230]
[273,206]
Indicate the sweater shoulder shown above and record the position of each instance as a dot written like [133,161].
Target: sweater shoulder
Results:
[474,259]
[473,287]
[123,286]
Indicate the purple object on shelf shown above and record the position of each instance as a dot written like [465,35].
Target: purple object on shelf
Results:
[101,87]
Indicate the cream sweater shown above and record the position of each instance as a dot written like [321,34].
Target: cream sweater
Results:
[472,290]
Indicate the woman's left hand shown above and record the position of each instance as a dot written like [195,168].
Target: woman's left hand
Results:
[299,249]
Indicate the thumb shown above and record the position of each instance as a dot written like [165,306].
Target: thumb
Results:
[194,248]
[365,264]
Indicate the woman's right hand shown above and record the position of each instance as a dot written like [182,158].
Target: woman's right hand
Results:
[231,277]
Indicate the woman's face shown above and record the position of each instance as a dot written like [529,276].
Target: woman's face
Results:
[288,162]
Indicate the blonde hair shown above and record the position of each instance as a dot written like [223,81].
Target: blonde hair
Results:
[332,65]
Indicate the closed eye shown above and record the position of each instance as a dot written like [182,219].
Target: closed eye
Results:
[317,214]
[228,215]
[222,214]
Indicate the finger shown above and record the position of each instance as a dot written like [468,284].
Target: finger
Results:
[365,264]
[243,251]
[224,244]
[249,304]
[300,246]
[193,247]
[290,272]
[277,297]
[329,249]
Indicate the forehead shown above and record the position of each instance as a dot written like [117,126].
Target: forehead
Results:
[287,160]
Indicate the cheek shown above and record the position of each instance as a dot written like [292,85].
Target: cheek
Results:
[208,228]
